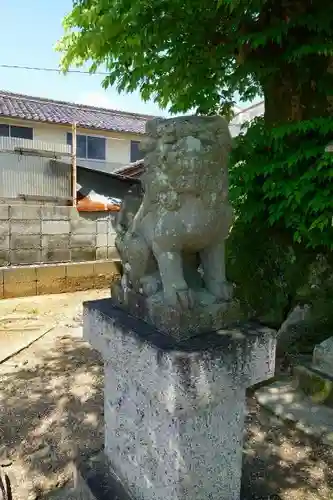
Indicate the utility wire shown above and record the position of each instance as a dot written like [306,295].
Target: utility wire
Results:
[52,70]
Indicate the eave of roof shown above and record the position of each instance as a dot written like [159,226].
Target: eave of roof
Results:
[133,170]
[24,107]
[112,175]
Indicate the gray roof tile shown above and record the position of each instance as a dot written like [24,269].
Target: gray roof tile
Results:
[47,110]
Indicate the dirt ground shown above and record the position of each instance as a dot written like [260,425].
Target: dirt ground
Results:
[51,410]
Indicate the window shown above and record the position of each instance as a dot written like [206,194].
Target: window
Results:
[88,146]
[136,154]
[17,132]
[4,130]
[21,132]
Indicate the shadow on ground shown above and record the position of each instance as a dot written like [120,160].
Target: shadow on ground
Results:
[282,462]
[52,411]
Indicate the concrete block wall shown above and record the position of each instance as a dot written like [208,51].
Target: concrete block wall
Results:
[31,234]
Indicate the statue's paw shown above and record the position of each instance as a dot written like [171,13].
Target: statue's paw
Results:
[150,285]
[221,290]
[181,298]
[186,298]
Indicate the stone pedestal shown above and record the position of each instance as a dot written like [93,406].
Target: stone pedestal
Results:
[180,324]
[174,410]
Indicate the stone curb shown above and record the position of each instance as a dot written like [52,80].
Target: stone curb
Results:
[65,277]
[284,400]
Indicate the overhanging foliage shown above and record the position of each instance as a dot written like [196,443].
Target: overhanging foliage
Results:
[190,54]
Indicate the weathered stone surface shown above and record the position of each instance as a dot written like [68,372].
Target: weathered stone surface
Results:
[105,268]
[80,270]
[113,253]
[4,242]
[315,384]
[177,358]
[171,240]
[4,257]
[19,282]
[94,479]
[19,212]
[56,255]
[4,212]
[111,239]
[56,213]
[174,411]
[55,242]
[20,256]
[292,328]
[20,289]
[55,227]
[26,241]
[112,223]
[25,227]
[22,274]
[80,225]
[174,321]
[51,279]
[82,254]
[102,226]
[1,284]
[4,228]
[83,240]
[323,356]
[80,276]
[101,253]
[49,273]
[102,240]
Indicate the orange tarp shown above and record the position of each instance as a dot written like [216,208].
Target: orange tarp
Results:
[87,205]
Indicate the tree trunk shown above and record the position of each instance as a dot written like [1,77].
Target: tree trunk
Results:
[291,98]
[297,89]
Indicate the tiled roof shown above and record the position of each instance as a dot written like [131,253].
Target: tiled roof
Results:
[133,170]
[25,107]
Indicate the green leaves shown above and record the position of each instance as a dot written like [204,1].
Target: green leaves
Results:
[286,179]
[194,55]
[182,53]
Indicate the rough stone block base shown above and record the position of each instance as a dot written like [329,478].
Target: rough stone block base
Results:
[174,410]
[94,479]
[171,320]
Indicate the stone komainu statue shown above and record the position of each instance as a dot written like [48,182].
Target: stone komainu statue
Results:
[171,238]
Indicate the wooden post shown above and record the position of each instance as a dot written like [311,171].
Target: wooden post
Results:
[74,174]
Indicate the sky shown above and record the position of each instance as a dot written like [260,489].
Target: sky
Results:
[29,31]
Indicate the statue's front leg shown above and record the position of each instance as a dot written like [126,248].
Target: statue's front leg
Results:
[213,264]
[175,288]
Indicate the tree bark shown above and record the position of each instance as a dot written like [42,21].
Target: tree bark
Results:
[290,98]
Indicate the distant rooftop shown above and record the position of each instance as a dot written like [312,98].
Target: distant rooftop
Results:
[39,109]
[133,170]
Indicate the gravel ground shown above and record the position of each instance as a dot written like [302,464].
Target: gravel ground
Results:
[51,410]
